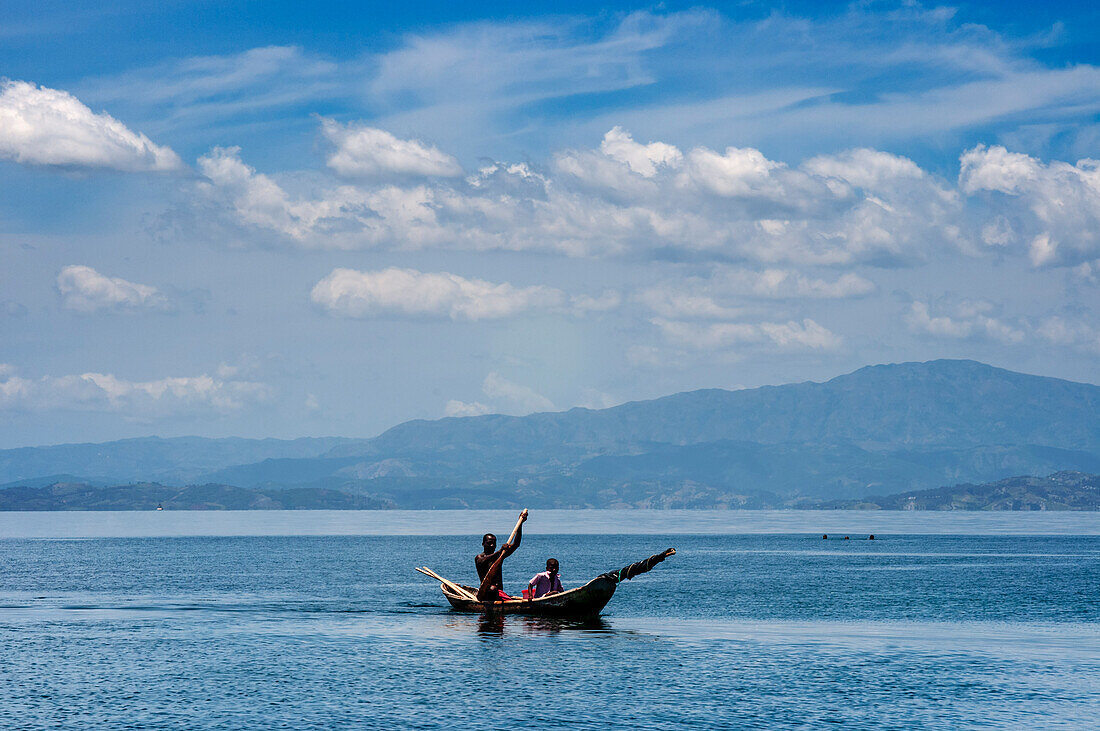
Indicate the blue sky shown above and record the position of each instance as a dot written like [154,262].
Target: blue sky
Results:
[268,219]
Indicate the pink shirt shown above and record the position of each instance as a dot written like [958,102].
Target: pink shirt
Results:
[543,584]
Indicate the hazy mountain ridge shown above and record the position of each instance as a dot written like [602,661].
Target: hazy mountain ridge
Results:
[1064,490]
[154,458]
[877,430]
[941,403]
[150,496]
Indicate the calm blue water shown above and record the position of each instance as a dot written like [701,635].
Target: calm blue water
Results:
[755,630]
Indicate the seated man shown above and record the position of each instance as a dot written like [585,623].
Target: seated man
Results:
[545,583]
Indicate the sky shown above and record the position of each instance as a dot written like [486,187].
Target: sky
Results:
[287,219]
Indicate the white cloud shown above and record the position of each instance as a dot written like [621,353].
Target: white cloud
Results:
[784,283]
[791,335]
[340,217]
[995,168]
[674,304]
[102,392]
[1052,209]
[967,319]
[806,334]
[42,126]
[981,320]
[737,172]
[86,290]
[1069,332]
[860,207]
[506,396]
[582,304]
[594,399]
[255,198]
[517,398]
[362,151]
[595,170]
[644,160]
[353,293]
[463,408]
[864,168]
[737,205]
[725,294]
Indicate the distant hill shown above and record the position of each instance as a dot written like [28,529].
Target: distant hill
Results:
[149,496]
[178,459]
[908,426]
[1060,491]
[879,430]
[939,404]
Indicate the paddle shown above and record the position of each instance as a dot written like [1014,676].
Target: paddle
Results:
[448,583]
[483,590]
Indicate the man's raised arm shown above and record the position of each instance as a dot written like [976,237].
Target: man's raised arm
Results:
[510,548]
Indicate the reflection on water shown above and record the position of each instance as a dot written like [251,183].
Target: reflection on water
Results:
[495,624]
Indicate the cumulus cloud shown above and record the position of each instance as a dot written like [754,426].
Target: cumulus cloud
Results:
[362,151]
[341,217]
[864,168]
[791,335]
[737,172]
[85,290]
[507,397]
[644,160]
[595,399]
[625,197]
[967,319]
[463,408]
[102,392]
[983,320]
[516,397]
[727,293]
[408,292]
[1074,333]
[860,207]
[676,304]
[788,284]
[42,126]
[255,198]
[582,304]
[1051,209]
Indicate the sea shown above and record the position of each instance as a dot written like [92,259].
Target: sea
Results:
[316,620]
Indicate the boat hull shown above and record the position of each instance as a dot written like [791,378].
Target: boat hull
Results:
[584,601]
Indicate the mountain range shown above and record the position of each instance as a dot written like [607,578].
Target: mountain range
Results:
[1060,491]
[881,429]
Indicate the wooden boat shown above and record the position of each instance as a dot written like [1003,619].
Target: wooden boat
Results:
[584,601]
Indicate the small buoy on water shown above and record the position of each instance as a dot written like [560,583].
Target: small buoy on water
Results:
[846,538]
[825,537]
[871,537]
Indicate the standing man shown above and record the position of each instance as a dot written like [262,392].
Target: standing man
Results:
[490,558]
